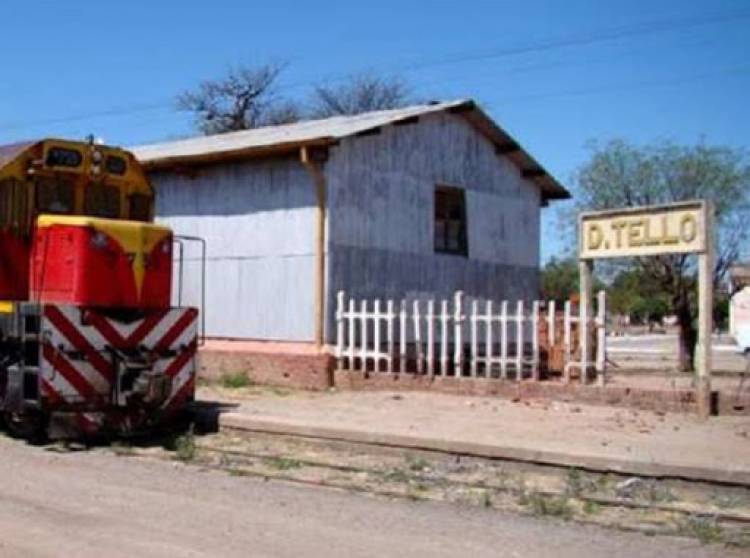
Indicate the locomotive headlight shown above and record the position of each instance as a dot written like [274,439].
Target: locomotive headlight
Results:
[99,240]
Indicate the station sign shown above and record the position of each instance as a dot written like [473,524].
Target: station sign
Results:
[644,231]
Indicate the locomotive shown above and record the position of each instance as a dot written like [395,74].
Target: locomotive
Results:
[89,340]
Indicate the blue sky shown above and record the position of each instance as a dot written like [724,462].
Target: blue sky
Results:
[556,74]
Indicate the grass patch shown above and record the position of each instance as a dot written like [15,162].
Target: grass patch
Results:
[548,506]
[418,464]
[578,482]
[591,508]
[658,493]
[235,381]
[184,446]
[705,529]
[728,501]
[283,463]
[396,475]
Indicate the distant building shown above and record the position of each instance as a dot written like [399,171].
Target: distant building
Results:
[739,304]
[413,202]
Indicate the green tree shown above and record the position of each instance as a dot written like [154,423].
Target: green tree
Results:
[560,279]
[635,294]
[620,174]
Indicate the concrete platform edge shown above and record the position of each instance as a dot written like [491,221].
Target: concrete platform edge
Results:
[270,425]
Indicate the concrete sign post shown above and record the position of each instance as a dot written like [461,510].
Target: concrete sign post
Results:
[680,228]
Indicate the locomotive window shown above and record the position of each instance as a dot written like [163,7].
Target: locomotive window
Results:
[54,195]
[115,165]
[61,157]
[140,207]
[102,201]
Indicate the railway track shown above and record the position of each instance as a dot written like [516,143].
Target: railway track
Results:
[710,512]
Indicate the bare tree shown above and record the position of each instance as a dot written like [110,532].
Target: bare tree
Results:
[360,93]
[247,97]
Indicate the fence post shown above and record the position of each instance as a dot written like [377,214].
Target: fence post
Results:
[551,324]
[488,341]
[431,337]
[444,319]
[601,344]
[504,339]
[352,340]
[567,340]
[402,344]
[339,328]
[535,340]
[474,344]
[519,342]
[377,322]
[418,338]
[363,334]
[458,345]
[389,334]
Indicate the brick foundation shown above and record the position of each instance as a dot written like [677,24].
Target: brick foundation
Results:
[680,401]
[302,366]
[294,365]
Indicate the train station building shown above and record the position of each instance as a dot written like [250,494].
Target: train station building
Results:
[410,203]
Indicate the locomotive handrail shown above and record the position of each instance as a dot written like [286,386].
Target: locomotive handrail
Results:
[202,242]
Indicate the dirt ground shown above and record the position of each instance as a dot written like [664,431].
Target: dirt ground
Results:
[659,351]
[101,503]
[602,433]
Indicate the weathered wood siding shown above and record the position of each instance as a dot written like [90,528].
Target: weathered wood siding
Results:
[381,216]
[258,220]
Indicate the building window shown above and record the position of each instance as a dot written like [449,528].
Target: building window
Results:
[450,221]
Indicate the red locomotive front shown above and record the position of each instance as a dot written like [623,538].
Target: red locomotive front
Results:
[89,341]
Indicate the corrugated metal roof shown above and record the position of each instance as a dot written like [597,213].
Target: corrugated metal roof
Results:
[275,139]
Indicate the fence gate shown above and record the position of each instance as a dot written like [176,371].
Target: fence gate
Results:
[469,339]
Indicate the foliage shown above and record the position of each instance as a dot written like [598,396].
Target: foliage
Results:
[235,381]
[245,98]
[705,529]
[560,279]
[546,505]
[283,463]
[620,174]
[185,447]
[360,93]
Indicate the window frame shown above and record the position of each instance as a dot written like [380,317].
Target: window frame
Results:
[95,200]
[57,180]
[459,200]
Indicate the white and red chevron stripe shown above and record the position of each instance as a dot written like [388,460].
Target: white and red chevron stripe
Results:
[76,360]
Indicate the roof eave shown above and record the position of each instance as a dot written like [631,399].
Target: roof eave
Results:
[507,146]
[272,150]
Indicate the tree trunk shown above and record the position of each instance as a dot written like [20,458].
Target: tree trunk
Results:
[688,336]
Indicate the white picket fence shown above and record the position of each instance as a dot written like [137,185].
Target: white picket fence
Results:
[491,340]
